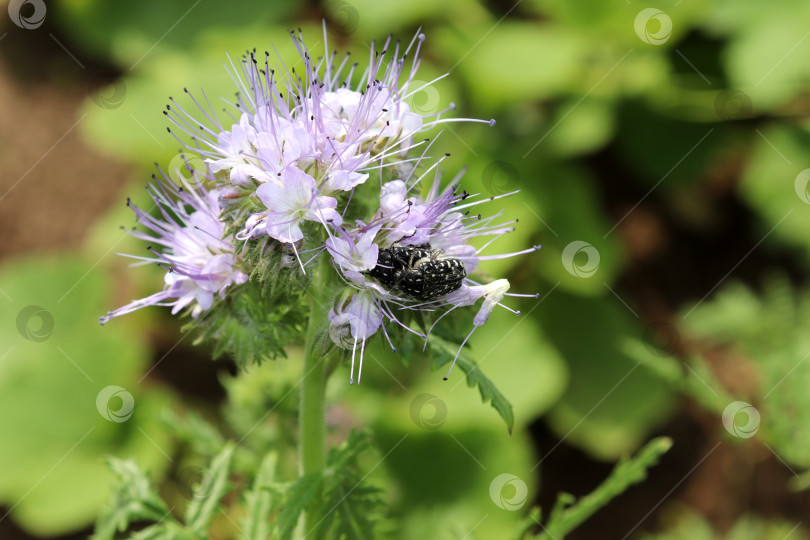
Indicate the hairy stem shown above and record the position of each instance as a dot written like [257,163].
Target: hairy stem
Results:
[312,406]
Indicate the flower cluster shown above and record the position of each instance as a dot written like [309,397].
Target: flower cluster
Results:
[428,258]
[198,256]
[290,174]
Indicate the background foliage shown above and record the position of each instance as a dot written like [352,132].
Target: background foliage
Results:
[679,157]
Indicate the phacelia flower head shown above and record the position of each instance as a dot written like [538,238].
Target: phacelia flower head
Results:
[299,138]
[424,260]
[305,151]
[189,241]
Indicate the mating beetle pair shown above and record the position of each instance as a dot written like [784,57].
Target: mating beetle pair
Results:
[418,271]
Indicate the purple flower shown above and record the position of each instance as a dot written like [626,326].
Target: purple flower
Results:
[235,145]
[298,145]
[437,225]
[328,123]
[199,259]
[354,259]
[356,318]
[289,200]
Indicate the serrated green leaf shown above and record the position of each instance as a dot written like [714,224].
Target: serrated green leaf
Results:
[346,454]
[260,500]
[153,532]
[348,507]
[444,352]
[207,496]
[165,530]
[158,531]
[299,496]
[201,436]
[766,331]
[133,500]
[252,325]
[568,513]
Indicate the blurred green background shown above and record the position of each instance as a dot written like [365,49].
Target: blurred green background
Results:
[662,151]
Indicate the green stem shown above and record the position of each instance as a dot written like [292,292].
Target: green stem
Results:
[312,407]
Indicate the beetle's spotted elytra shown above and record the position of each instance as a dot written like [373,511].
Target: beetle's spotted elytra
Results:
[418,271]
